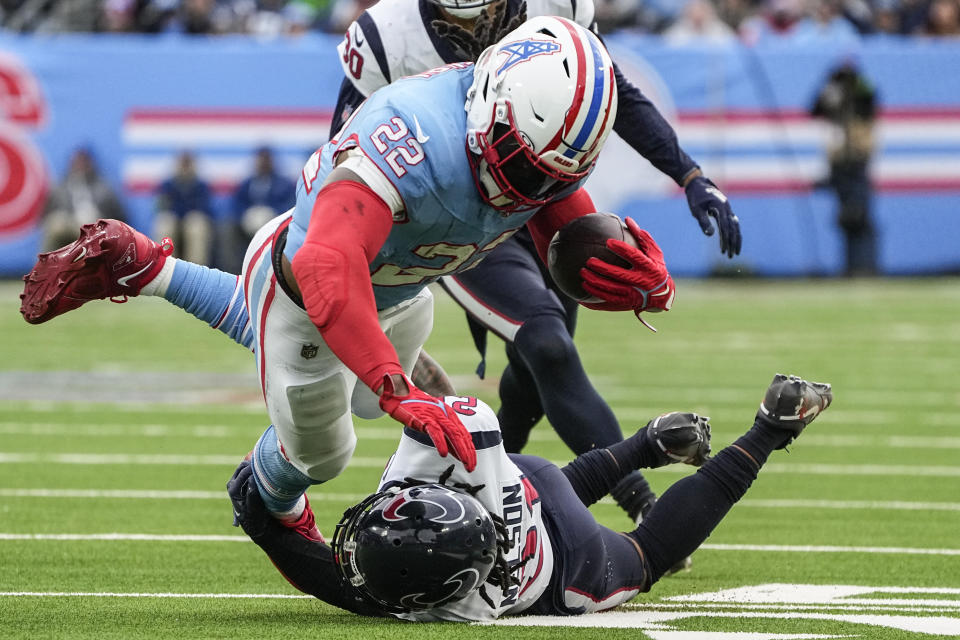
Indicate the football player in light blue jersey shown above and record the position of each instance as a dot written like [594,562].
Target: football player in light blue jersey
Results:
[426,177]
[511,294]
[402,133]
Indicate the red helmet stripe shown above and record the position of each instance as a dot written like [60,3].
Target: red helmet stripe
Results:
[571,116]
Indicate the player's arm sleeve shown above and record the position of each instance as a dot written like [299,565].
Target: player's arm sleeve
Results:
[549,219]
[645,129]
[349,224]
[309,566]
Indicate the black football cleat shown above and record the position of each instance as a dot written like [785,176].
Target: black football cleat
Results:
[791,403]
[680,437]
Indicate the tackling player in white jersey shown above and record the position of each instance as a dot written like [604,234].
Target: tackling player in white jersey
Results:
[437,542]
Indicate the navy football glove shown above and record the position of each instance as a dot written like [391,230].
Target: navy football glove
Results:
[707,201]
[249,512]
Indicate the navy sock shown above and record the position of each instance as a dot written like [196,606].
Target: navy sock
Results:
[636,452]
[592,475]
[212,296]
[760,441]
[613,470]
[687,512]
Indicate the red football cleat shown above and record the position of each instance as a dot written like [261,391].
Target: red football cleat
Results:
[110,259]
[306,525]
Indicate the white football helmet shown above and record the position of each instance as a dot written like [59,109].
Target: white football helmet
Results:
[542,103]
[464,9]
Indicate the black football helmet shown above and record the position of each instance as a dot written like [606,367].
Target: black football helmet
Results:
[416,548]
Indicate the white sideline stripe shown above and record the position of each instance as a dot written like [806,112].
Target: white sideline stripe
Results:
[377,463]
[393,434]
[107,594]
[829,549]
[148,537]
[893,505]
[141,494]
[355,497]
[125,537]
[874,605]
[147,494]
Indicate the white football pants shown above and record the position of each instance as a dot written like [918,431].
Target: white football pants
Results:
[310,393]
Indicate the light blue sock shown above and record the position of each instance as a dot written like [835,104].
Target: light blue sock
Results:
[280,483]
[212,296]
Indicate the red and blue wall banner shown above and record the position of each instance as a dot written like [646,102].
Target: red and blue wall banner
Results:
[741,112]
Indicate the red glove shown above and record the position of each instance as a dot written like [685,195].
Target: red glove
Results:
[430,415]
[645,286]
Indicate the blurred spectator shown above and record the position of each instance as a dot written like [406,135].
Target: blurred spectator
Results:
[699,23]
[848,101]
[82,197]
[799,21]
[194,17]
[826,21]
[912,15]
[118,16]
[300,17]
[344,12]
[734,12]
[777,19]
[943,19]
[262,196]
[860,13]
[185,212]
[886,18]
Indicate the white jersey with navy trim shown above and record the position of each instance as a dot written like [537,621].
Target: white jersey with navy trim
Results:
[393,39]
[506,493]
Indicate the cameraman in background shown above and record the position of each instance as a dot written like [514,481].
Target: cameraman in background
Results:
[848,101]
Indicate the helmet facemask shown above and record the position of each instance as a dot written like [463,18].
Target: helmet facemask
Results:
[509,173]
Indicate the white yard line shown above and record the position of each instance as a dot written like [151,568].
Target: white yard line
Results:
[391,434]
[104,594]
[877,605]
[319,495]
[941,471]
[829,549]
[147,537]
[122,537]
[152,494]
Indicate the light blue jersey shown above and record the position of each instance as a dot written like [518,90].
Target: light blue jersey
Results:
[414,130]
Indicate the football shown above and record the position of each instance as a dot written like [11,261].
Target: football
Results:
[578,241]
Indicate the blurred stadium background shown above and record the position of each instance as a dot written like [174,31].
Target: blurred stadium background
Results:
[138,82]
[738,79]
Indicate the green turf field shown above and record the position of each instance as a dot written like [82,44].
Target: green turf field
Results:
[119,426]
